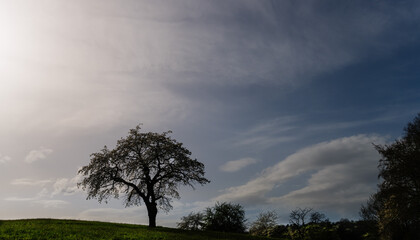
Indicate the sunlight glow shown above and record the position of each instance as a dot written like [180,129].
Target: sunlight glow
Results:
[10,39]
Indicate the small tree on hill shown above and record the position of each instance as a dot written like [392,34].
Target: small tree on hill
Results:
[193,221]
[144,167]
[298,218]
[265,222]
[225,217]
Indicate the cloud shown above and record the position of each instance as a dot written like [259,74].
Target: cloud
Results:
[66,186]
[40,198]
[267,134]
[343,172]
[236,165]
[36,155]
[30,182]
[4,158]
[129,71]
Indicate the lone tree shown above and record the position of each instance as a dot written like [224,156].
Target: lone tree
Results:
[146,167]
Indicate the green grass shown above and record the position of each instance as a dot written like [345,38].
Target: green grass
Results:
[73,229]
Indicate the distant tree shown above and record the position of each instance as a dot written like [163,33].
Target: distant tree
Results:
[146,167]
[298,218]
[225,217]
[193,221]
[265,222]
[317,217]
[396,205]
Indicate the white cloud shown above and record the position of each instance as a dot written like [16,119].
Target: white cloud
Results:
[343,173]
[66,186]
[268,134]
[36,155]
[4,158]
[236,165]
[30,182]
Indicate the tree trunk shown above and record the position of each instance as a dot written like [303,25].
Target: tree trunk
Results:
[152,212]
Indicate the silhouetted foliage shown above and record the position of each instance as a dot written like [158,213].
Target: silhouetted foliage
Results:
[309,224]
[317,217]
[396,205]
[193,221]
[264,224]
[306,224]
[146,167]
[225,217]
[369,212]
[298,219]
[359,230]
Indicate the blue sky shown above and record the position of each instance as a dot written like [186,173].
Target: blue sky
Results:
[281,100]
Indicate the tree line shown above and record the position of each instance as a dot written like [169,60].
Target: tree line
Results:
[304,223]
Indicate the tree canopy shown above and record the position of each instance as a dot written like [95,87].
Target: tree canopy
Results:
[225,217]
[143,167]
[396,205]
[266,222]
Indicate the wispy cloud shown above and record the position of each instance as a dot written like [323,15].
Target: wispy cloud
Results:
[236,165]
[38,154]
[40,198]
[4,158]
[268,133]
[29,182]
[344,168]
[66,186]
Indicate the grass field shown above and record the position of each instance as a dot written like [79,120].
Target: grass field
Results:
[73,229]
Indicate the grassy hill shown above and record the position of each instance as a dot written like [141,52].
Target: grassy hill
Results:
[73,229]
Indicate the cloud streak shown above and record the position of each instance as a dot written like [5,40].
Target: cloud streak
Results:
[4,159]
[342,174]
[36,155]
[30,182]
[236,165]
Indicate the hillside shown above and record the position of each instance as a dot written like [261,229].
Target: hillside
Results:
[74,229]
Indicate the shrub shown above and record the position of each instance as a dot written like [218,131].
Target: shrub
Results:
[225,217]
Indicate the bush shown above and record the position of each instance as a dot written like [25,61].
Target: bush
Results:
[264,223]
[194,221]
[225,217]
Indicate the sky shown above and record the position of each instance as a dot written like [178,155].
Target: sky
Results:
[282,101]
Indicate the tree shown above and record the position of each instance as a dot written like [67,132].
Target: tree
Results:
[193,221]
[317,218]
[396,205]
[298,220]
[265,222]
[370,211]
[144,167]
[225,217]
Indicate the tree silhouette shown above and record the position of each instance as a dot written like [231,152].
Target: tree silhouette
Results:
[396,205]
[225,217]
[144,167]
[298,218]
[266,221]
[193,221]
